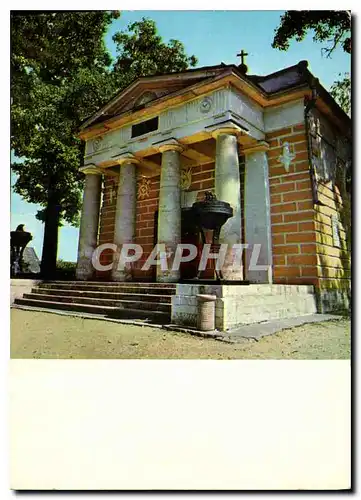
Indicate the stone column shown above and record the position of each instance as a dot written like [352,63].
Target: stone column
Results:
[227,188]
[125,214]
[88,234]
[258,213]
[169,215]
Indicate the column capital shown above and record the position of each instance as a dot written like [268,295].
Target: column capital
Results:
[226,128]
[255,148]
[126,157]
[90,169]
[168,145]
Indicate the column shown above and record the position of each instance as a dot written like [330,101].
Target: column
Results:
[258,214]
[227,188]
[169,215]
[88,234]
[125,215]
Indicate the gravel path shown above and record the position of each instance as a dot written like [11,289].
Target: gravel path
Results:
[52,336]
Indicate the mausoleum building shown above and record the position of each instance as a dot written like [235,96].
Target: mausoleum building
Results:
[277,148]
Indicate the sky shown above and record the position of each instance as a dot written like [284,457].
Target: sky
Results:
[214,37]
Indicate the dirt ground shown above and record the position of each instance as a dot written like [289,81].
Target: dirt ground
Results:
[54,336]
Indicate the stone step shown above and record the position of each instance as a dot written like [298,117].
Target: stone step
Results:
[138,284]
[104,295]
[115,312]
[116,288]
[123,304]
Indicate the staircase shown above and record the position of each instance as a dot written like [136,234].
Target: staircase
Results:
[146,301]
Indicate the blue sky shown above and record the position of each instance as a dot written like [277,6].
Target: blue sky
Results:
[214,37]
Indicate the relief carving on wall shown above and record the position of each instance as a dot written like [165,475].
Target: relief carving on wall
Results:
[286,157]
[205,105]
[185,178]
[97,143]
[112,193]
[143,188]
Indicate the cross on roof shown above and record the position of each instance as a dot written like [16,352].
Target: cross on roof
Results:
[242,55]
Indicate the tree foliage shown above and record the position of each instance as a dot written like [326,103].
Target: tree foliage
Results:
[142,52]
[62,72]
[330,26]
[341,92]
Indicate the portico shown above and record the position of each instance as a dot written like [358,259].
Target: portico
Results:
[197,128]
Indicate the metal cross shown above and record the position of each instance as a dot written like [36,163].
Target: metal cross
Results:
[242,55]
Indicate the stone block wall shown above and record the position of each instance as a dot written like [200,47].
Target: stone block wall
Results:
[147,205]
[292,210]
[304,246]
[331,219]
[202,179]
[107,220]
[309,240]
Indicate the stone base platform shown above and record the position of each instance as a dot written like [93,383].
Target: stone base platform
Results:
[238,305]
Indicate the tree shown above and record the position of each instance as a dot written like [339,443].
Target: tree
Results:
[55,57]
[330,26]
[141,52]
[333,27]
[61,74]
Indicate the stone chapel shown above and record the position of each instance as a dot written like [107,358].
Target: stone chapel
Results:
[277,148]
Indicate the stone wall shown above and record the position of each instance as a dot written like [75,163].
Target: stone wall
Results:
[305,248]
[144,230]
[333,256]
[292,209]
[147,205]
[309,240]
[107,220]
[20,286]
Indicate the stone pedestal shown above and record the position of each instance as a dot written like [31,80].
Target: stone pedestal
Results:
[169,215]
[88,234]
[227,188]
[257,215]
[125,216]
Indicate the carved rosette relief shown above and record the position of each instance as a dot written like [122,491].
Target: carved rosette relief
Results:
[97,143]
[205,105]
[185,178]
[286,157]
[143,188]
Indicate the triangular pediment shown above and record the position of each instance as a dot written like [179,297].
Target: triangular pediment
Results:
[146,90]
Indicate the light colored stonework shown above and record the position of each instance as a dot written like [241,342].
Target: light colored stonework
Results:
[88,234]
[169,215]
[257,215]
[227,189]
[241,304]
[125,216]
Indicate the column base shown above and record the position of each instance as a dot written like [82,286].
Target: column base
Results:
[121,276]
[170,278]
[260,277]
[84,270]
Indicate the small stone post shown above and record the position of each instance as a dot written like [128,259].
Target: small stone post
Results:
[206,317]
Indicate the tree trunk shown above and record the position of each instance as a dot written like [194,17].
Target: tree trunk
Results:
[50,243]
